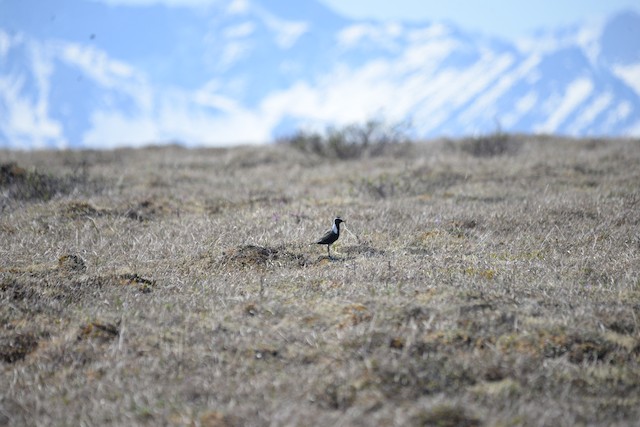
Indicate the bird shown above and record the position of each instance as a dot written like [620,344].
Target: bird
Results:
[332,235]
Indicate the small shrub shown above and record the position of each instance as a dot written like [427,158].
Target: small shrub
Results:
[496,144]
[383,186]
[23,184]
[353,141]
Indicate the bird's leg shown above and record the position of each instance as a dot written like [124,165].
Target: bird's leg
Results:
[329,251]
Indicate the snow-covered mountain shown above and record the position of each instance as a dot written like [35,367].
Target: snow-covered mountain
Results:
[88,74]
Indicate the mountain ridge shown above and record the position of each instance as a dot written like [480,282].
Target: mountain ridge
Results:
[243,72]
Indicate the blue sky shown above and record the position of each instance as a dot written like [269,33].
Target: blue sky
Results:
[505,18]
[510,19]
[165,98]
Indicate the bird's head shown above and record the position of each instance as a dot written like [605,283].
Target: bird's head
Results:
[338,220]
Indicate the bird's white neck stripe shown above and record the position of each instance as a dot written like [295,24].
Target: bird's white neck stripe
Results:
[334,228]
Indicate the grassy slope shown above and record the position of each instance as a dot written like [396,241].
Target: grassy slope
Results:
[472,290]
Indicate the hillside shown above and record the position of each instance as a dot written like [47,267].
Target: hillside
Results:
[490,281]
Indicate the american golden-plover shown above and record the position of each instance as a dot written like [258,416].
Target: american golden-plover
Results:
[332,235]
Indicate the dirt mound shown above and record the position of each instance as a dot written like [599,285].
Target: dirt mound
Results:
[16,347]
[80,209]
[71,263]
[99,331]
[252,255]
[133,279]
[143,211]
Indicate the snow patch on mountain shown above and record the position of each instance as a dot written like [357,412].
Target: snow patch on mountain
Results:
[559,108]
[245,71]
[630,74]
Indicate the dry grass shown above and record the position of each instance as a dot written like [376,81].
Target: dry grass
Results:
[482,284]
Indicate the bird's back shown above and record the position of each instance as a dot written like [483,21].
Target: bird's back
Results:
[328,238]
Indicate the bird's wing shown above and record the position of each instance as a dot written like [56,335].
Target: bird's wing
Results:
[329,237]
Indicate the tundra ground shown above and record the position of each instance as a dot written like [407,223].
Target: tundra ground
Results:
[480,282]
